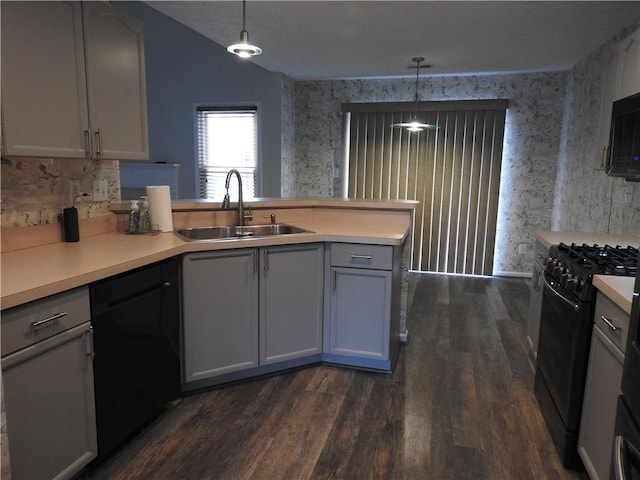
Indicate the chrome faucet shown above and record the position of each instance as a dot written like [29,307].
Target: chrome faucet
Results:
[226,202]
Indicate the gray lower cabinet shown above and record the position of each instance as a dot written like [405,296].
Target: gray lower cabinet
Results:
[220,313]
[47,373]
[362,330]
[602,387]
[250,311]
[535,298]
[291,302]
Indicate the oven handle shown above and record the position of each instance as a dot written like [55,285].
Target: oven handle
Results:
[573,304]
[624,457]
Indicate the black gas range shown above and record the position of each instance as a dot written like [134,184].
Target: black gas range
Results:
[573,266]
[566,322]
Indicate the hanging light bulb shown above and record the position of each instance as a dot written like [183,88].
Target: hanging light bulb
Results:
[415,125]
[244,49]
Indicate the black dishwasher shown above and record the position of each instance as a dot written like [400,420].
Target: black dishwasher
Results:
[136,325]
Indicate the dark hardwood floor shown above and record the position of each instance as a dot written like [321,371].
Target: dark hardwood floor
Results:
[459,405]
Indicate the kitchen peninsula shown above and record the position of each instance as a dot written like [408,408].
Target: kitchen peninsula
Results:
[36,272]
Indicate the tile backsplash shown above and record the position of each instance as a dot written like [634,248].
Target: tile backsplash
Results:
[33,191]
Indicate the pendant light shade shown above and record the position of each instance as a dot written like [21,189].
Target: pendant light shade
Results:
[244,49]
[415,125]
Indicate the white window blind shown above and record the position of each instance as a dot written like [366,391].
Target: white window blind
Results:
[227,139]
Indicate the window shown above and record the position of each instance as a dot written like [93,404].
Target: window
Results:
[227,138]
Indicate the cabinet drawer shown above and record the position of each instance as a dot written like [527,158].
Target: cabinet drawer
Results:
[616,325]
[27,324]
[378,257]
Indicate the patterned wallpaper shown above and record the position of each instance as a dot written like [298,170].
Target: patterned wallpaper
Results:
[34,191]
[588,200]
[532,142]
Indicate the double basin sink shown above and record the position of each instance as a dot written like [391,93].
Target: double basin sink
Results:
[224,232]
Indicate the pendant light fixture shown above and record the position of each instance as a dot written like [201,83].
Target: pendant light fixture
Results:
[244,49]
[415,125]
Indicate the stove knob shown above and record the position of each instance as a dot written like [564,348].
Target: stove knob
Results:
[572,283]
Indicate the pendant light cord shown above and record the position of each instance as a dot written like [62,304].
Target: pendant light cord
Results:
[244,15]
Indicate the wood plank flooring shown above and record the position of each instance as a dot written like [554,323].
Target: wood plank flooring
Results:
[459,405]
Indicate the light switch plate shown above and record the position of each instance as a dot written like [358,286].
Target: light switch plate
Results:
[100,191]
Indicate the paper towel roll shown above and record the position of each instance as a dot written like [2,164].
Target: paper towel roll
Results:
[160,207]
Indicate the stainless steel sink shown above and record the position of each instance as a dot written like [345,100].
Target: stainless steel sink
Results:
[222,232]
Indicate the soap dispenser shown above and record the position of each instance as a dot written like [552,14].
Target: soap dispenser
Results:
[143,219]
[134,217]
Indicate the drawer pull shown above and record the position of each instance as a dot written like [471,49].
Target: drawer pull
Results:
[609,323]
[41,323]
[361,257]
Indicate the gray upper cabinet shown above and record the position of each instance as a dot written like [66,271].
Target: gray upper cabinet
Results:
[44,99]
[291,302]
[73,81]
[116,85]
[621,78]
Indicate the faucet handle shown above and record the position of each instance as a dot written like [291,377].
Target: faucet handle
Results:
[248,216]
[272,218]
[226,201]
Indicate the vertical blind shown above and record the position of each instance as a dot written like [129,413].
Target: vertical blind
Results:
[226,139]
[453,171]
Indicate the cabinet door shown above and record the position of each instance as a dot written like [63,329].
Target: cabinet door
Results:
[601,392]
[629,65]
[360,313]
[116,85]
[49,399]
[291,296]
[44,107]
[220,313]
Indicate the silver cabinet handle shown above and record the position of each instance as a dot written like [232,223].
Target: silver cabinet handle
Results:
[361,257]
[256,262]
[266,260]
[52,318]
[90,350]
[89,144]
[609,323]
[334,279]
[98,142]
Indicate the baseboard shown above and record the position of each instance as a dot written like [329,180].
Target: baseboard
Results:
[513,274]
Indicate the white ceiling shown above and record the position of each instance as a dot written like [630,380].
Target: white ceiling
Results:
[357,39]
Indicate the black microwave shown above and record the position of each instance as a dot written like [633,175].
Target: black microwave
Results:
[624,139]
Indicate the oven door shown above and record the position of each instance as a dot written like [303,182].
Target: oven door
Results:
[626,446]
[563,349]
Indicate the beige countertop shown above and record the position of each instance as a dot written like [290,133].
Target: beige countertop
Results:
[548,238]
[618,289]
[36,272]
